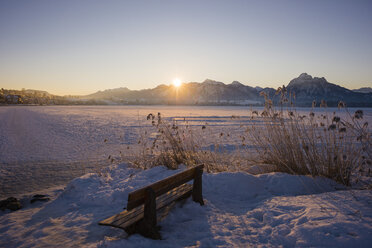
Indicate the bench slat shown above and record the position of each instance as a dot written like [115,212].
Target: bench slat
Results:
[163,201]
[127,218]
[125,215]
[137,198]
[121,215]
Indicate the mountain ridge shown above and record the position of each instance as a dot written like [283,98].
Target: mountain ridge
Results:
[213,92]
[210,92]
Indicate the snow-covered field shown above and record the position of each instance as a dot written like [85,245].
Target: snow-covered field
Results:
[42,148]
[241,210]
[45,146]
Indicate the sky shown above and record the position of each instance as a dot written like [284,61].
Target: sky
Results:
[81,46]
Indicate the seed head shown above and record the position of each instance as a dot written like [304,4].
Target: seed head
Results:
[332,127]
[341,104]
[336,119]
[358,114]
[342,130]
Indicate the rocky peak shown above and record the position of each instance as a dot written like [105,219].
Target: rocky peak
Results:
[236,83]
[305,76]
[306,79]
[212,82]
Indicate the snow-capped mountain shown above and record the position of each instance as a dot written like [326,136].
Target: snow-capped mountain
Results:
[308,88]
[211,92]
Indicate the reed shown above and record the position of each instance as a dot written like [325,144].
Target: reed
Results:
[317,145]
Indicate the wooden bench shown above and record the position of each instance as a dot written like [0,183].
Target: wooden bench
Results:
[140,215]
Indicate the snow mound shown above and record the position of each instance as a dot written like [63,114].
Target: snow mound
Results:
[241,209]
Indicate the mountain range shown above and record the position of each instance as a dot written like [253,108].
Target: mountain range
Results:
[210,92]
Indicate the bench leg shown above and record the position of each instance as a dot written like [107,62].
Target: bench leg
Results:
[197,190]
[148,226]
[150,207]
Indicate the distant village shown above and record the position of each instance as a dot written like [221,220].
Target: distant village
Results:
[29,97]
[37,97]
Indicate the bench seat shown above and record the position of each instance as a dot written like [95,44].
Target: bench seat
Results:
[126,218]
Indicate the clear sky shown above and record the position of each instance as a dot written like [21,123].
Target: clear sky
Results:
[79,47]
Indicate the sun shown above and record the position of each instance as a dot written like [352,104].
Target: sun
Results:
[176,82]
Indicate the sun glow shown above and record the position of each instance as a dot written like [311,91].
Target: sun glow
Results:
[177,83]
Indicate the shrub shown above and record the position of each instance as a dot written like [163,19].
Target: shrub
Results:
[171,143]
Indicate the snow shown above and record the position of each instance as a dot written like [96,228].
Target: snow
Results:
[47,146]
[241,209]
[57,150]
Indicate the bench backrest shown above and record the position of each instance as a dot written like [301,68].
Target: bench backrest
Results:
[137,198]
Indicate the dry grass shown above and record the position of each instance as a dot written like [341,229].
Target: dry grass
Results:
[317,145]
[172,143]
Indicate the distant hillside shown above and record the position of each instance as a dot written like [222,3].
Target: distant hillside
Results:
[39,97]
[108,93]
[211,92]
[364,90]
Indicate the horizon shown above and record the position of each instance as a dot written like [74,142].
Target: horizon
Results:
[181,83]
[78,48]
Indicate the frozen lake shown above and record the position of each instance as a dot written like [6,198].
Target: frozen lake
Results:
[45,146]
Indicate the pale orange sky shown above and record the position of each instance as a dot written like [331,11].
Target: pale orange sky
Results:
[79,47]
